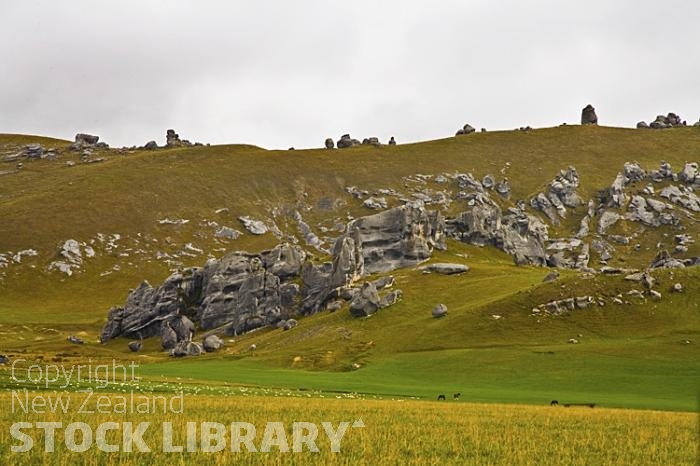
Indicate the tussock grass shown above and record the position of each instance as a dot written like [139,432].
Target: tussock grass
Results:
[395,432]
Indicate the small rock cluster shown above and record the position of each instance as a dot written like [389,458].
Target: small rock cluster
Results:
[466,129]
[87,142]
[562,194]
[366,301]
[662,122]
[72,254]
[172,139]
[346,141]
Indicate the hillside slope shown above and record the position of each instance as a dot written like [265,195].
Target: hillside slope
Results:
[146,213]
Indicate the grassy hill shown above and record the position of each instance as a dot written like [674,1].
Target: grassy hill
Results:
[632,355]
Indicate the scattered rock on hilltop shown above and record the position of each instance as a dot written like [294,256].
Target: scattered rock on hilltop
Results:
[466,129]
[662,122]
[87,141]
[172,139]
[346,141]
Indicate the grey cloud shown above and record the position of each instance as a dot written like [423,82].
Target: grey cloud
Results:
[279,73]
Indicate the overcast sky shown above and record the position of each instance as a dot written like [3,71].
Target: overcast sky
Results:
[291,73]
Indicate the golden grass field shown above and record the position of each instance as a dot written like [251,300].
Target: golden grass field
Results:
[395,432]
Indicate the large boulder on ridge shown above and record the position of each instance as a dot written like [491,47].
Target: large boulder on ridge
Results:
[588,115]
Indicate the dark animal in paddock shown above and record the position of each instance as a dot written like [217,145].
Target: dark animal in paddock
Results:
[441,397]
[554,403]
[456,396]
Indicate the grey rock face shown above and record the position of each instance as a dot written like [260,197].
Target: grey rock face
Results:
[366,302]
[664,172]
[86,138]
[562,194]
[517,233]
[212,343]
[346,141]
[168,337]
[329,143]
[392,141]
[399,237]
[172,139]
[4,359]
[466,129]
[147,308]
[383,282]
[689,174]
[290,324]
[633,172]
[642,125]
[439,311]
[227,232]
[255,227]
[245,291]
[390,299]
[151,145]
[334,306]
[588,115]
[681,196]
[664,260]
[503,188]
[375,203]
[650,212]
[242,291]
[606,220]
[135,346]
[186,348]
[445,268]
[669,121]
[34,151]
[86,141]
[183,327]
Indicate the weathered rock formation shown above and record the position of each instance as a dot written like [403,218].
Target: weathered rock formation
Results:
[172,139]
[87,141]
[241,291]
[466,129]
[562,194]
[346,141]
[662,122]
[588,115]
[517,233]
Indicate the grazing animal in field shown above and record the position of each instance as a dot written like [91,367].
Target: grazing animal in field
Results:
[554,403]
[456,396]
[252,348]
[441,397]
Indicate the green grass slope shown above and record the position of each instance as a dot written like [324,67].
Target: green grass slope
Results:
[632,355]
